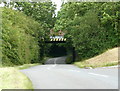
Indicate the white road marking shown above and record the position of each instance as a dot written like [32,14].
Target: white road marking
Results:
[98,74]
[55,60]
[54,65]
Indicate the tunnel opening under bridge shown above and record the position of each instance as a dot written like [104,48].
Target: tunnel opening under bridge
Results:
[57,51]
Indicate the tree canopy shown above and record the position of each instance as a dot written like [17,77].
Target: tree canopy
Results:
[90,27]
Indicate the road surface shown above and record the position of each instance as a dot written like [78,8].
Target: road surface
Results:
[63,76]
[57,60]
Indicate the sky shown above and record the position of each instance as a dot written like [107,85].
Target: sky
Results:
[2,4]
[57,2]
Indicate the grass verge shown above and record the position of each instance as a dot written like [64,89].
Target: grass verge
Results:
[12,78]
[95,65]
[25,66]
[108,58]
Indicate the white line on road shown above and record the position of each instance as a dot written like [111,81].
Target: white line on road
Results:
[55,60]
[54,65]
[98,74]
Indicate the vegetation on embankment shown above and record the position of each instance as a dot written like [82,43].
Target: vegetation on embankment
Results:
[25,66]
[12,78]
[108,58]
[90,27]
[24,27]
[20,37]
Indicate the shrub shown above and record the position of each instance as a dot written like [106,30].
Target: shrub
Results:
[20,36]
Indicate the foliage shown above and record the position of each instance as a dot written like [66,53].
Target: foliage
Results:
[26,66]
[84,64]
[90,27]
[20,36]
[43,13]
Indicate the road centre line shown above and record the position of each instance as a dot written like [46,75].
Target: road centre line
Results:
[98,74]
[55,61]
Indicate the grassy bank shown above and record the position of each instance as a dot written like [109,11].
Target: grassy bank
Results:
[25,66]
[108,58]
[85,64]
[12,78]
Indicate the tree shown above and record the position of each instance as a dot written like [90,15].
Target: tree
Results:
[91,27]
[20,38]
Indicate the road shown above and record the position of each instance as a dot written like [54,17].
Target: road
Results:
[57,60]
[63,76]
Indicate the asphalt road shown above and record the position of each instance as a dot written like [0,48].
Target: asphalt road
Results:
[63,76]
[57,60]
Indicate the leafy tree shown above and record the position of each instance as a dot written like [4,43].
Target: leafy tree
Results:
[43,13]
[20,37]
[91,27]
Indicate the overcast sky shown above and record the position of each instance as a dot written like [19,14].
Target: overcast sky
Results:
[57,2]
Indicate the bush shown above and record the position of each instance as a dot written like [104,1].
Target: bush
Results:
[20,38]
[91,28]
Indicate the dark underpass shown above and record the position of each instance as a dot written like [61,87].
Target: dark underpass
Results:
[57,51]
[58,54]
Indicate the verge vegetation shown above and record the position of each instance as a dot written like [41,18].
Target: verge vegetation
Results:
[108,58]
[25,66]
[90,27]
[20,38]
[12,78]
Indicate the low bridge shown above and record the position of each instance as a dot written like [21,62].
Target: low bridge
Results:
[59,39]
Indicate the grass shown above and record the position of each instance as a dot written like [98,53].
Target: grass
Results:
[25,66]
[108,58]
[12,78]
[85,64]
